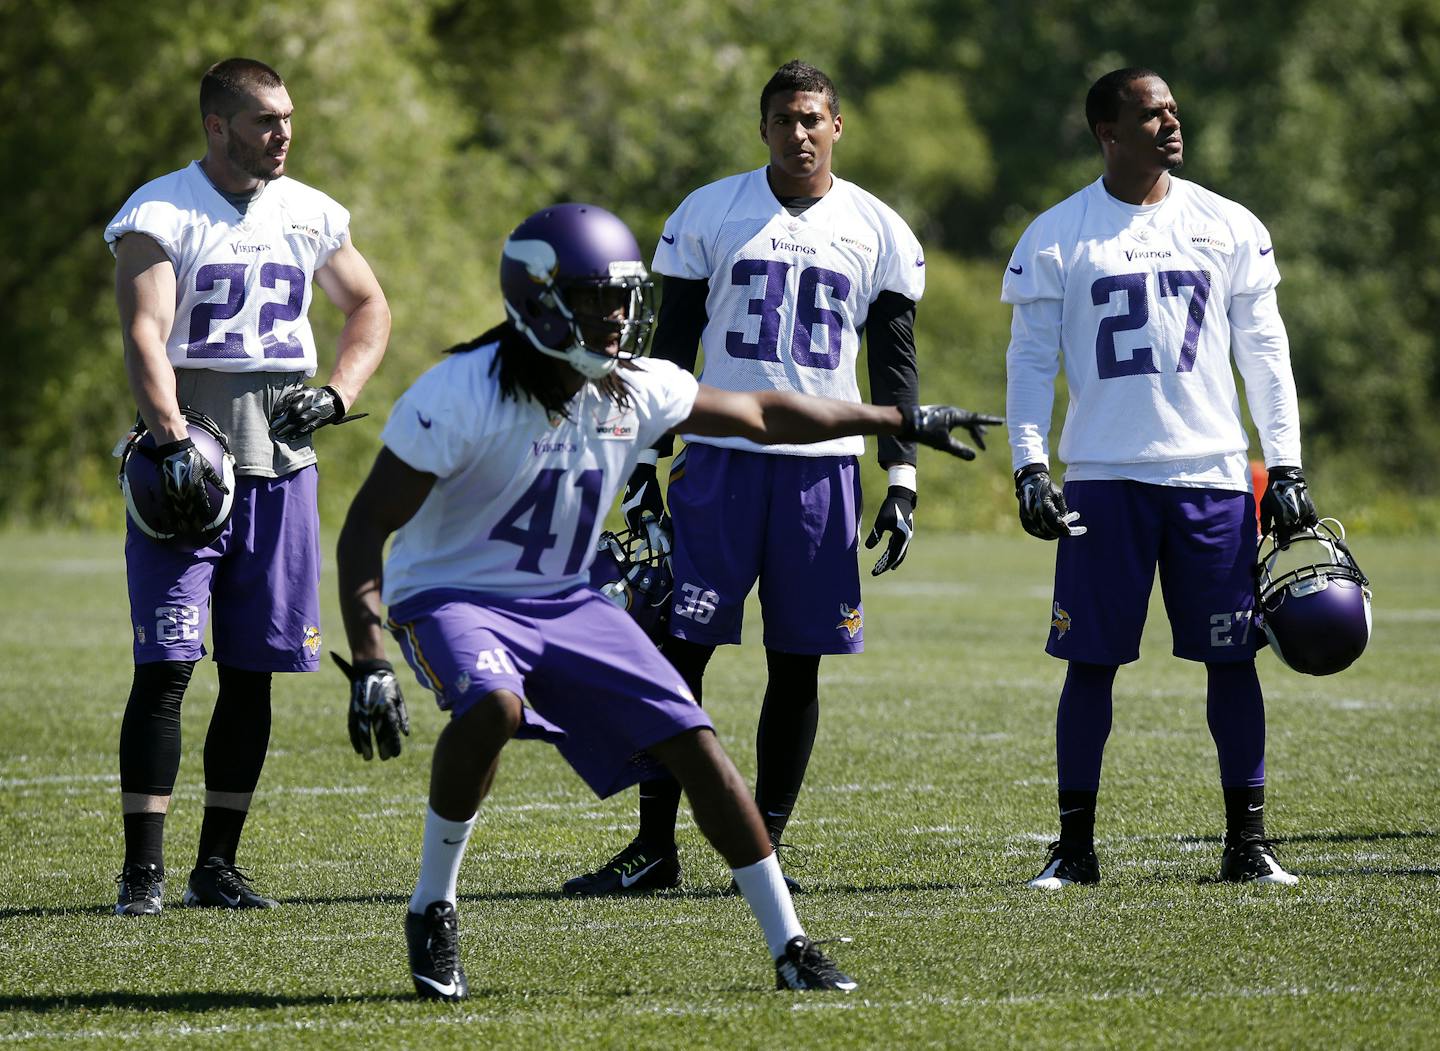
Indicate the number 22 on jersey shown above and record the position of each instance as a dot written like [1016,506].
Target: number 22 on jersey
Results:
[232,344]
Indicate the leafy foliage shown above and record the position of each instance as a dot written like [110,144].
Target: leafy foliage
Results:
[440,123]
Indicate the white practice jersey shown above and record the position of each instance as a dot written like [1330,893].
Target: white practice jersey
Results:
[242,283]
[521,498]
[1146,303]
[789,295]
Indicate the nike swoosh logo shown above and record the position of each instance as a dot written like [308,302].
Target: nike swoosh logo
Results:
[919,262]
[452,842]
[1073,810]
[1253,808]
[628,879]
[667,239]
[423,421]
[447,989]
[1267,251]
[1017,269]
[229,901]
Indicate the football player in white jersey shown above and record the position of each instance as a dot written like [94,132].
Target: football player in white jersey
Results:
[497,467]
[776,273]
[1148,287]
[214,268]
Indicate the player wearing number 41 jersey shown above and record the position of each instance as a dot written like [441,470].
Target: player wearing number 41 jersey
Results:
[214,272]
[1148,286]
[497,469]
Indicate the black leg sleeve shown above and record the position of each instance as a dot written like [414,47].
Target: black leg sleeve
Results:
[150,730]
[239,731]
[786,735]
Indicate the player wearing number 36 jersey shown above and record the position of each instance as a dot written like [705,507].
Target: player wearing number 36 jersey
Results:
[1148,287]
[214,270]
[776,273]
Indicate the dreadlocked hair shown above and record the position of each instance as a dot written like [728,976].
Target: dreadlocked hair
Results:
[524,372]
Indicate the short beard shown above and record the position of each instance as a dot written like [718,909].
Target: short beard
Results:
[250,161]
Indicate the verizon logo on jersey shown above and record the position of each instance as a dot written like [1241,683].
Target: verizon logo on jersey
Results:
[616,427]
[777,245]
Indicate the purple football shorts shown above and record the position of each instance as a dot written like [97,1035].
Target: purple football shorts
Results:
[257,585]
[595,685]
[793,522]
[1204,542]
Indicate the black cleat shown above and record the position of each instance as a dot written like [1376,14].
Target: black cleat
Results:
[804,966]
[1249,860]
[433,941]
[142,888]
[1067,865]
[635,870]
[218,884]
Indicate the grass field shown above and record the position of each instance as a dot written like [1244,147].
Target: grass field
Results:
[929,802]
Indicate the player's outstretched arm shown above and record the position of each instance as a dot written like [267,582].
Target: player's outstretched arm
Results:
[784,417]
[388,499]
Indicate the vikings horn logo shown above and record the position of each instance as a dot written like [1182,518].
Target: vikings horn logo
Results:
[538,258]
[312,639]
[851,619]
[1060,621]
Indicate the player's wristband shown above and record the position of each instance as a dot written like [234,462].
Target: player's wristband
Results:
[902,474]
[649,456]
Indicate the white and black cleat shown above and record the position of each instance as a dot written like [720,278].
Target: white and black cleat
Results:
[804,966]
[1067,866]
[1253,861]
[433,942]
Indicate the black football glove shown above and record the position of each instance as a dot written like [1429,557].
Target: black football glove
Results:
[931,425]
[375,706]
[1286,505]
[1042,505]
[896,517]
[301,410]
[185,473]
[644,510]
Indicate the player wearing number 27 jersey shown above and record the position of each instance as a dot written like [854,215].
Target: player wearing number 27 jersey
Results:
[1147,302]
[1147,286]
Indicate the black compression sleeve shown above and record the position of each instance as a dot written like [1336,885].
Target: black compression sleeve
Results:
[678,329]
[894,374]
[681,321]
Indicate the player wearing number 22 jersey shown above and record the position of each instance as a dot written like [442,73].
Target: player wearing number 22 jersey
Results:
[215,265]
[1149,287]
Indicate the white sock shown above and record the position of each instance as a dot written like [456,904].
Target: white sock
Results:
[769,899]
[440,856]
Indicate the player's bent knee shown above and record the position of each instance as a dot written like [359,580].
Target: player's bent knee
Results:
[497,713]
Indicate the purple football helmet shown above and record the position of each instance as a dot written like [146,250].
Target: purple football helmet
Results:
[1313,600]
[564,272]
[629,574]
[144,486]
